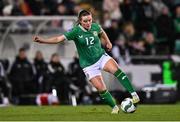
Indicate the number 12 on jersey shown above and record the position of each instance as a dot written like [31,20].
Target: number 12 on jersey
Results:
[89,40]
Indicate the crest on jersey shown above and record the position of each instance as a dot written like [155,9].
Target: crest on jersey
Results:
[95,33]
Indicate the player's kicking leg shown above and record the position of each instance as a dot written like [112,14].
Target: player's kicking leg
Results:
[112,67]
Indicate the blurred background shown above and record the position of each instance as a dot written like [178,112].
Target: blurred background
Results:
[146,44]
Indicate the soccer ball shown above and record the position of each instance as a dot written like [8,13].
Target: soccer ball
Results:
[127,106]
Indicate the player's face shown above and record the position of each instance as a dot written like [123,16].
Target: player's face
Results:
[86,21]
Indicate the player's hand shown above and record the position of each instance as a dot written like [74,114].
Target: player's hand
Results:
[109,46]
[37,39]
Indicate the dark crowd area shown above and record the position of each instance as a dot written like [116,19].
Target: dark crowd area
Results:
[135,27]
[28,80]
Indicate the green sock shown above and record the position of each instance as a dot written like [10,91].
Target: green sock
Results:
[123,79]
[107,98]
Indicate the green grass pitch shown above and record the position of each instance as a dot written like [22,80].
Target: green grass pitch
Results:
[89,113]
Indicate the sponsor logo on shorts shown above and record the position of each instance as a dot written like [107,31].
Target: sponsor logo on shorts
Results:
[87,75]
[105,54]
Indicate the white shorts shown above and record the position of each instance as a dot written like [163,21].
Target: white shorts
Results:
[95,69]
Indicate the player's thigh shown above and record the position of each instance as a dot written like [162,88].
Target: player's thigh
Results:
[111,66]
[91,72]
[98,83]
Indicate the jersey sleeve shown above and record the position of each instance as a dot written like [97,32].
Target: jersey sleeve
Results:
[70,35]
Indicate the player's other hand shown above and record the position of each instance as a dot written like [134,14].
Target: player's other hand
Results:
[109,46]
[37,39]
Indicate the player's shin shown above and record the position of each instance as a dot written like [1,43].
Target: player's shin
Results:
[123,79]
[107,98]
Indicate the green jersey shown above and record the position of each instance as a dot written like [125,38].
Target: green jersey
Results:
[87,42]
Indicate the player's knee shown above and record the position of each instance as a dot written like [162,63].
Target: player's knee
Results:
[117,72]
[101,87]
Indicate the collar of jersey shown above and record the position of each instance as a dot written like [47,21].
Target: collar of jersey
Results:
[83,28]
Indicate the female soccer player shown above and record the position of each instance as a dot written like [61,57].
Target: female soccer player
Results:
[88,37]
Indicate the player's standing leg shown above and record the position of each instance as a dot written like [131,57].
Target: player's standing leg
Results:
[107,98]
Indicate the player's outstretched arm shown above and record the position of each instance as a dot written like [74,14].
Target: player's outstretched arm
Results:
[105,40]
[51,40]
